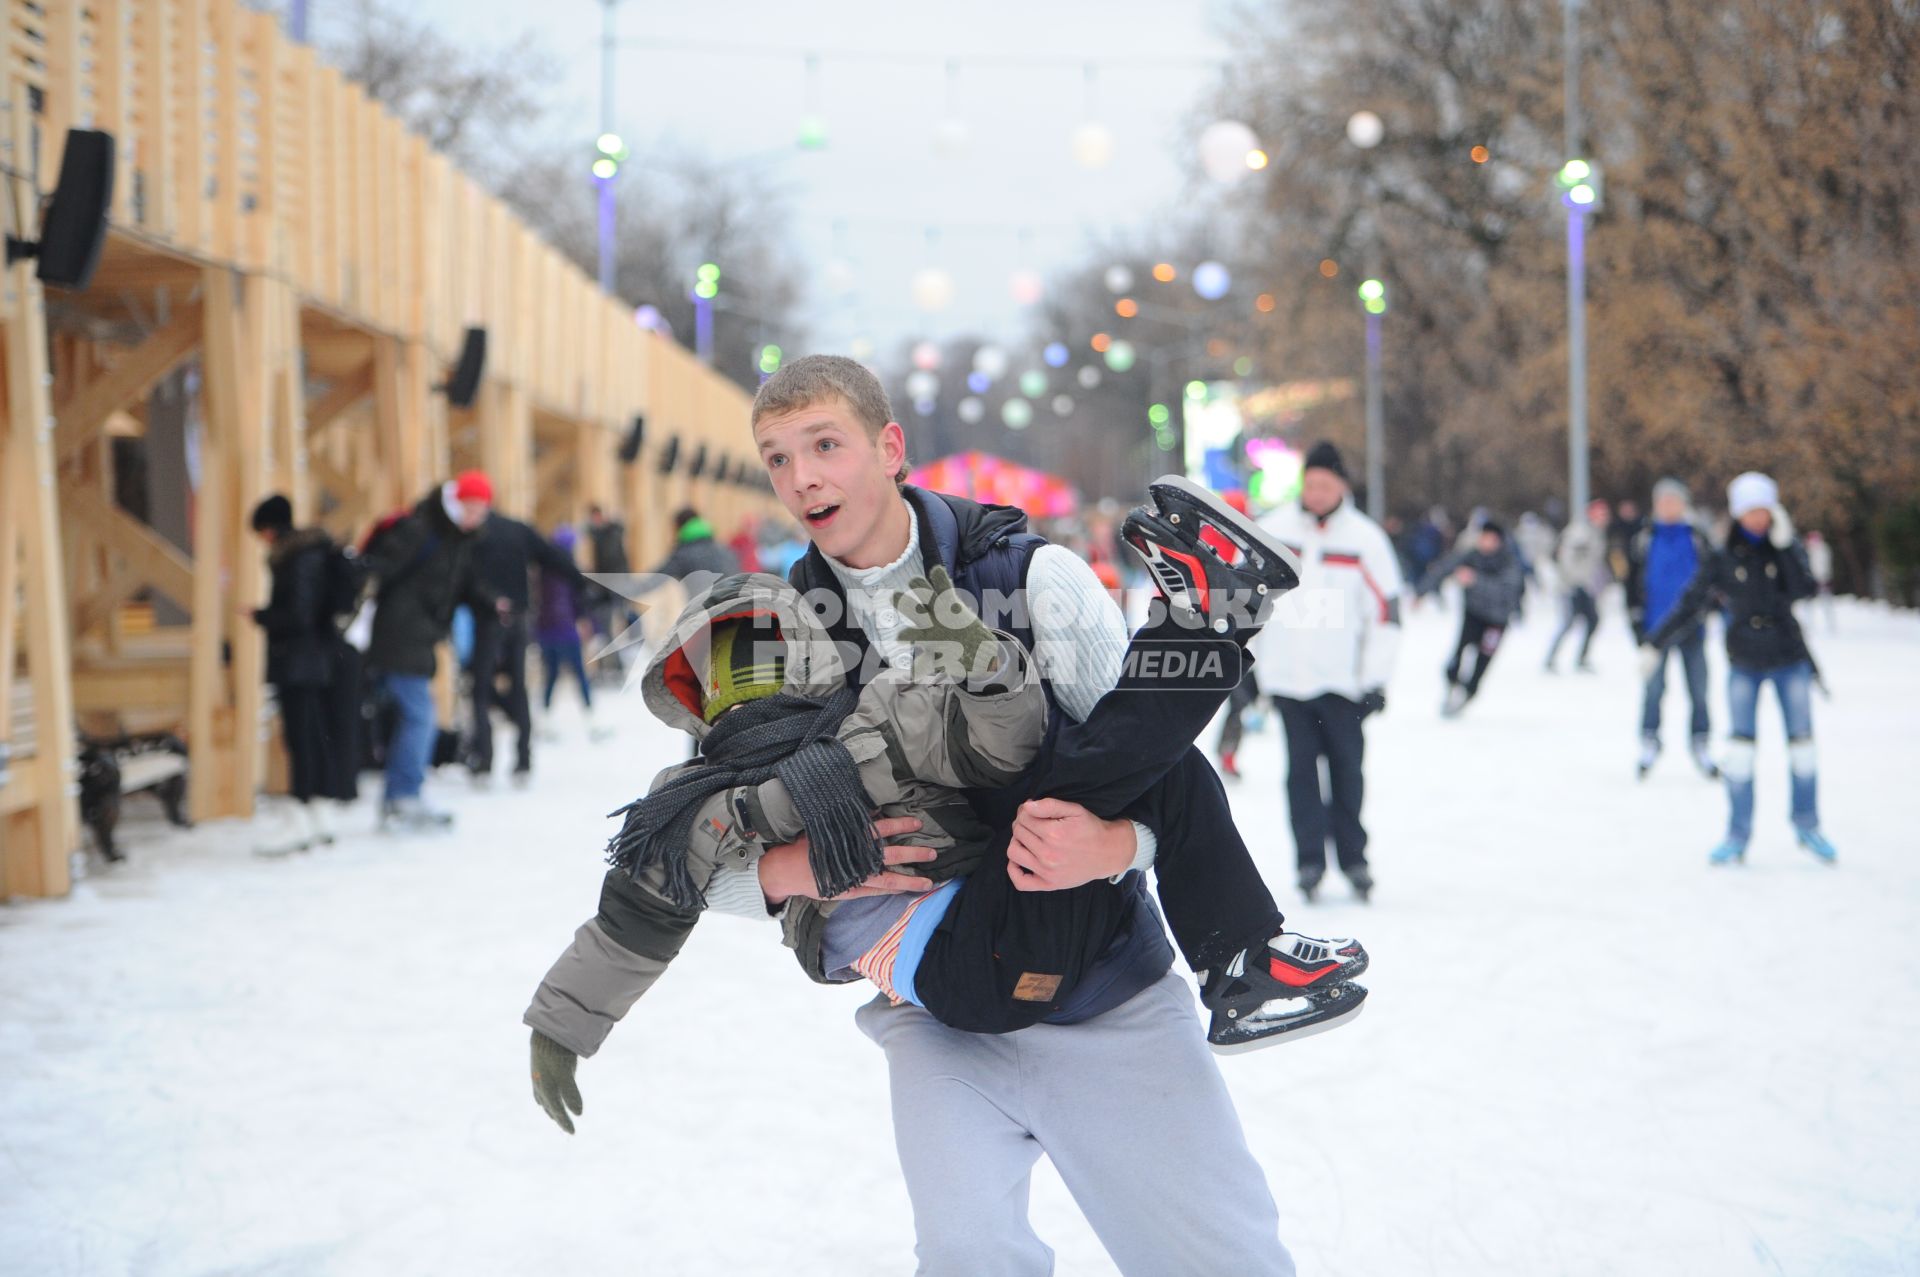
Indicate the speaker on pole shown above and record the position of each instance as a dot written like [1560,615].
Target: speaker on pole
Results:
[699,466]
[75,228]
[636,435]
[464,383]
[670,455]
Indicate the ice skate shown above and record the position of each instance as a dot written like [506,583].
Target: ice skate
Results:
[286,832]
[1287,966]
[1730,852]
[1816,842]
[1233,1032]
[1362,881]
[412,816]
[1455,702]
[1191,575]
[1704,761]
[1649,755]
[1229,765]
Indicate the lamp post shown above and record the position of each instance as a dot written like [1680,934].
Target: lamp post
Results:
[1373,300]
[706,286]
[1579,184]
[606,166]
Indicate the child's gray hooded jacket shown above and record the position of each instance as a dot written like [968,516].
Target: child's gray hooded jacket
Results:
[917,738]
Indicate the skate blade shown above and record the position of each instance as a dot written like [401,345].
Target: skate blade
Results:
[1291,1035]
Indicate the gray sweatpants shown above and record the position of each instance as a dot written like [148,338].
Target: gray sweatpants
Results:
[1131,1110]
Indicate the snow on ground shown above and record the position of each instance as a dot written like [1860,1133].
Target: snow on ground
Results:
[1585,1052]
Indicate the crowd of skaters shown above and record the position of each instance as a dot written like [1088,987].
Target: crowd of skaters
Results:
[353,634]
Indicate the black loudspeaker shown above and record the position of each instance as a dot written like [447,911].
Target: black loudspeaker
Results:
[75,228]
[464,384]
[723,469]
[636,435]
[699,466]
[670,455]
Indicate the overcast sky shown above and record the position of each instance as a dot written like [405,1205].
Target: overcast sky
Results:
[737,87]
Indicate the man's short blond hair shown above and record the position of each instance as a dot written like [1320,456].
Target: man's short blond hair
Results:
[813,379]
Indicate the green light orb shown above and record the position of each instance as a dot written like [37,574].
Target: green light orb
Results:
[813,133]
[1196,389]
[1158,414]
[708,273]
[610,144]
[1575,171]
[770,358]
[1033,383]
[604,168]
[706,290]
[1243,367]
[1372,290]
[1120,356]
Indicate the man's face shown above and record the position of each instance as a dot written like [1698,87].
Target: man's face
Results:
[836,481]
[1320,491]
[1669,507]
[1489,541]
[472,514]
[1599,516]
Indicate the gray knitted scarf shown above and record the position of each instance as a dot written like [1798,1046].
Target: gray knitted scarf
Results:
[785,737]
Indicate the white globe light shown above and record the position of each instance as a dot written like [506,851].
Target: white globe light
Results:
[950,138]
[971,410]
[838,276]
[1118,279]
[1033,383]
[1063,405]
[1026,287]
[1092,146]
[926,355]
[923,385]
[990,360]
[1017,413]
[1211,280]
[1088,377]
[1224,146]
[1365,130]
[932,289]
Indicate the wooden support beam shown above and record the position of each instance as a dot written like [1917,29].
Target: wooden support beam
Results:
[208,684]
[35,865]
[341,397]
[151,559]
[131,376]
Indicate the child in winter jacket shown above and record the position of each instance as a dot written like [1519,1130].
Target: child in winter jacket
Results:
[1491,586]
[790,750]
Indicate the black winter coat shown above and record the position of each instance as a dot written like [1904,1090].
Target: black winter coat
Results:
[1757,585]
[423,566]
[702,554]
[301,638]
[505,549]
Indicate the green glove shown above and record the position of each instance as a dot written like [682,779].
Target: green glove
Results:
[553,1086]
[942,623]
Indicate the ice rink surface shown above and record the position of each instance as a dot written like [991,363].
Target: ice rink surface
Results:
[1585,1052]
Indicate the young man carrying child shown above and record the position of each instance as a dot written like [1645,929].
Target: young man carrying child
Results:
[967,1142]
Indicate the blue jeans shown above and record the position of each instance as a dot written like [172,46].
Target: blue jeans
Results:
[1693,659]
[557,657]
[411,748]
[1794,685]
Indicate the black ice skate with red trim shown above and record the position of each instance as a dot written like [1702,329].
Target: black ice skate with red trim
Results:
[1293,986]
[1223,597]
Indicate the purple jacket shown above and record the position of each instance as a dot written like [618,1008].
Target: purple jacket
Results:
[558,606]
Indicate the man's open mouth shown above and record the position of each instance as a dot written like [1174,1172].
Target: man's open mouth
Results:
[820,514]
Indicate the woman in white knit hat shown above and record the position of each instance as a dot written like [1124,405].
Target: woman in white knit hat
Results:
[1756,577]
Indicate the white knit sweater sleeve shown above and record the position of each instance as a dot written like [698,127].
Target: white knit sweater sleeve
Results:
[1079,641]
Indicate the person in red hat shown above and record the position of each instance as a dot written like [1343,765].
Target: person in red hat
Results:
[420,568]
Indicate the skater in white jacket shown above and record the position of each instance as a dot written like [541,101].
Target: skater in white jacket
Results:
[1325,658]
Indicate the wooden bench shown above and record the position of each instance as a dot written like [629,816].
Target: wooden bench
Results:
[111,769]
